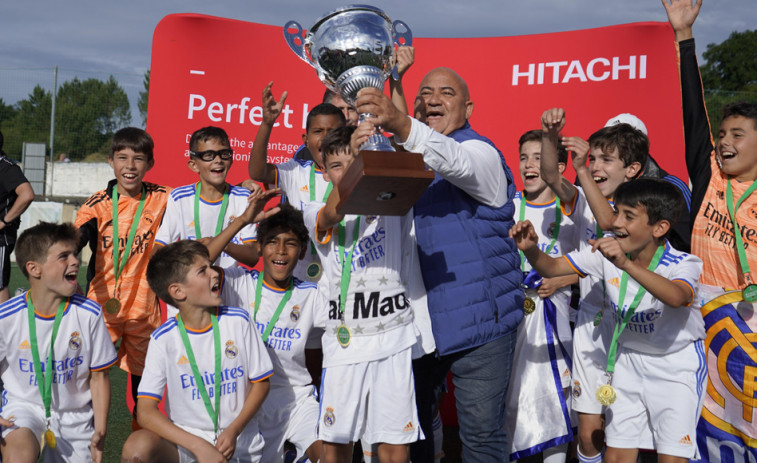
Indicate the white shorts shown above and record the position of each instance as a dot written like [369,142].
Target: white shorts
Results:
[288,413]
[659,401]
[373,400]
[249,444]
[73,429]
[589,359]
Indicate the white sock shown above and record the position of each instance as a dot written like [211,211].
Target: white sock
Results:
[594,459]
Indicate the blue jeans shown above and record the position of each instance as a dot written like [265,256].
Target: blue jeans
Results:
[481,376]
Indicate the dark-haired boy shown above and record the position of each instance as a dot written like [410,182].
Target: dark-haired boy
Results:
[283,309]
[55,353]
[201,210]
[371,277]
[723,177]
[655,362]
[127,212]
[300,181]
[210,363]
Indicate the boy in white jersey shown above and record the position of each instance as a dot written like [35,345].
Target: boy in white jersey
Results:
[212,365]
[367,384]
[282,309]
[616,155]
[301,181]
[540,378]
[201,210]
[55,352]
[655,364]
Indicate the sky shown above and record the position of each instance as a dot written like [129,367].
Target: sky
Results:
[96,38]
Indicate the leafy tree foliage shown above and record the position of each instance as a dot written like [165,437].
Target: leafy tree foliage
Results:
[142,102]
[732,64]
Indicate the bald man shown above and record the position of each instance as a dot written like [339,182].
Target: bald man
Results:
[473,278]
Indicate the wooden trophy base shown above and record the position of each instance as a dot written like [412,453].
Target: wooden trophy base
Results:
[383,183]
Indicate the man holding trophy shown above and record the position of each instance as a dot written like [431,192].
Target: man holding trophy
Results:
[473,280]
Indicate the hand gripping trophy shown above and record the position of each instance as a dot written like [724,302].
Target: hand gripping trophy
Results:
[351,48]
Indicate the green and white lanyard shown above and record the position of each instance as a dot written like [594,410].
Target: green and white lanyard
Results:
[620,325]
[750,292]
[118,265]
[221,214]
[44,379]
[277,313]
[555,232]
[343,334]
[212,413]
[312,198]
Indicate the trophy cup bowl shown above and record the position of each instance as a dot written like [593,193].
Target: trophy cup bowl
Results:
[351,48]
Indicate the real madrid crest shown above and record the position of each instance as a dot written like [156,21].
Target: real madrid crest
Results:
[328,417]
[295,314]
[370,219]
[231,350]
[74,343]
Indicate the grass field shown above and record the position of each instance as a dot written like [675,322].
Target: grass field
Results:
[119,419]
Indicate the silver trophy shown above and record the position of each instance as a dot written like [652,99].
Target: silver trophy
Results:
[351,48]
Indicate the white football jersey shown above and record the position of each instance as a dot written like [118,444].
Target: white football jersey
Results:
[292,333]
[243,361]
[179,221]
[82,345]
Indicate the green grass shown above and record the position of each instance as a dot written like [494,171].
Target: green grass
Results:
[119,418]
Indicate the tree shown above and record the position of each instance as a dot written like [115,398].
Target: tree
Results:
[142,102]
[87,114]
[30,123]
[732,64]
[6,112]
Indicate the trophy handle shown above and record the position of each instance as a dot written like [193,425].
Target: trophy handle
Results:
[295,40]
[401,31]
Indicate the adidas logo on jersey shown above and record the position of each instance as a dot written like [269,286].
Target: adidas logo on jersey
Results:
[182,361]
[24,345]
[409,427]
[614,282]
[566,373]
[305,189]
[686,440]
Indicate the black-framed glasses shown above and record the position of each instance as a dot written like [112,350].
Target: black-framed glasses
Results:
[209,155]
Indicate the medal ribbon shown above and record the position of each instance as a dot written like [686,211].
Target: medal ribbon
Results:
[736,231]
[277,313]
[623,321]
[346,262]
[196,371]
[221,214]
[312,198]
[44,381]
[118,266]
[555,233]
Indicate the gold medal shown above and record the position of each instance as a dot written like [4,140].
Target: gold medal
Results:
[112,305]
[750,293]
[529,306]
[50,439]
[313,271]
[598,317]
[343,335]
[606,394]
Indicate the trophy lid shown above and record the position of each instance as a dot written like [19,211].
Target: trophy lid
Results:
[342,9]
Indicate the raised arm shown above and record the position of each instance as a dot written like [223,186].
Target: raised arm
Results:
[600,207]
[528,241]
[258,168]
[405,59]
[552,121]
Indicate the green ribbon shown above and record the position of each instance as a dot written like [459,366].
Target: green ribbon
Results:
[44,381]
[196,371]
[277,313]
[522,217]
[221,214]
[623,320]
[346,262]
[736,231]
[118,265]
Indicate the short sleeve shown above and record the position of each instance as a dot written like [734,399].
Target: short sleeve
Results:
[259,366]
[584,262]
[13,178]
[84,215]
[153,381]
[169,228]
[103,352]
[687,271]
[236,290]
[285,176]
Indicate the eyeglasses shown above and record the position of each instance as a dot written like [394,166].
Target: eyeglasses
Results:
[209,155]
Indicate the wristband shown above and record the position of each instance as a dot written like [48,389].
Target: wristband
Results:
[3,221]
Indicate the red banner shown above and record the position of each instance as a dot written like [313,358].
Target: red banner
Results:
[211,71]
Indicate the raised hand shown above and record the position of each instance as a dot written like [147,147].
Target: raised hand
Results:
[553,120]
[524,235]
[271,107]
[610,248]
[579,149]
[681,15]
[405,59]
